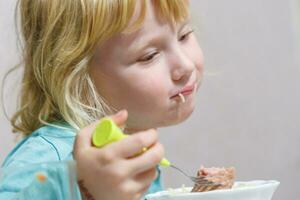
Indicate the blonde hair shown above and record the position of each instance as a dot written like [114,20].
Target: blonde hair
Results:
[58,40]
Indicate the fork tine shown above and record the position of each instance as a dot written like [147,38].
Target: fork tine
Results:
[196,180]
[203,181]
[212,184]
[208,183]
[199,180]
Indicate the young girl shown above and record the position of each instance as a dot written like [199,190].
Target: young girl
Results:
[87,59]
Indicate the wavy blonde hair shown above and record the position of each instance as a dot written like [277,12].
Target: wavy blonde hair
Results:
[58,41]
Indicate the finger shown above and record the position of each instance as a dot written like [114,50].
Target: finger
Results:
[134,187]
[147,176]
[149,159]
[134,144]
[144,190]
[141,192]
[84,137]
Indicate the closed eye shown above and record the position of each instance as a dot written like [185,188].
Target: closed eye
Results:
[148,57]
[185,36]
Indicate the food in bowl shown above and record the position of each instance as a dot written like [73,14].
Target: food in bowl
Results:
[219,178]
[249,190]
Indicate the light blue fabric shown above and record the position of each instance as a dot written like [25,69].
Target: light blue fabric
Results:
[47,153]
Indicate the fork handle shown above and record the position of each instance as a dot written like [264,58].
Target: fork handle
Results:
[165,163]
[107,132]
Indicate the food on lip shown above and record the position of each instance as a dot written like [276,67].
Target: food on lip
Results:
[223,178]
[181,97]
[186,90]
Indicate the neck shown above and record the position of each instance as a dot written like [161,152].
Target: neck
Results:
[131,130]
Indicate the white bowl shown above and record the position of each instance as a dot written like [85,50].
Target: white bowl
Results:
[251,190]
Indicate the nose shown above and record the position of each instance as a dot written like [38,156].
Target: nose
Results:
[182,66]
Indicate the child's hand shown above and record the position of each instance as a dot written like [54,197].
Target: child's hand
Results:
[114,171]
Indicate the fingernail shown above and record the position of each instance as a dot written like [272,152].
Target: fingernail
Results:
[120,113]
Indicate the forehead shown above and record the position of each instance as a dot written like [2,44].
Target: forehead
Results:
[150,18]
[152,22]
[172,12]
[152,30]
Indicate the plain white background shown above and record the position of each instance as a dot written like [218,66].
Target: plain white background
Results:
[248,110]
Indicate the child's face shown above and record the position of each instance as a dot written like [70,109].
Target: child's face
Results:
[141,71]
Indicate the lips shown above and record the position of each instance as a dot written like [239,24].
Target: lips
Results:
[186,90]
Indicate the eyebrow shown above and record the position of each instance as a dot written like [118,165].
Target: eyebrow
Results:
[184,23]
[139,43]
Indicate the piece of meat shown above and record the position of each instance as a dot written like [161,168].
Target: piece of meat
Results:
[223,177]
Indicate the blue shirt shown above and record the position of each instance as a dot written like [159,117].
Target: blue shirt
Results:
[41,166]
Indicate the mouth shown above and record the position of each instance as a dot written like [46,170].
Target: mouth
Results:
[185,91]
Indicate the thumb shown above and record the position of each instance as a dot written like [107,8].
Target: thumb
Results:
[120,118]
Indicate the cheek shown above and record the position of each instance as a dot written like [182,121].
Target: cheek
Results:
[199,59]
[147,97]
[196,54]
[150,90]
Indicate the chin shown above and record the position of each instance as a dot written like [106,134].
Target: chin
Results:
[178,116]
